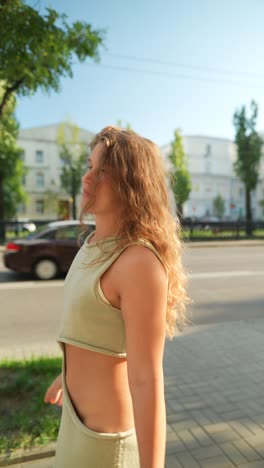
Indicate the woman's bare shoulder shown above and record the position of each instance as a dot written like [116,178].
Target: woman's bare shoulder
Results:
[140,260]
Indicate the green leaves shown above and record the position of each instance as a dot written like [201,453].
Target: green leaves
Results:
[219,206]
[11,166]
[248,159]
[249,145]
[73,154]
[36,51]
[180,177]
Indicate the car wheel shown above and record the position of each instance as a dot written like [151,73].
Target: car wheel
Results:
[45,269]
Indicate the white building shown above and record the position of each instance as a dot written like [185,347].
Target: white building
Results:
[210,163]
[46,198]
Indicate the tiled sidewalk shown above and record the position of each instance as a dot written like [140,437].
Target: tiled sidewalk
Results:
[215,396]
[214,387]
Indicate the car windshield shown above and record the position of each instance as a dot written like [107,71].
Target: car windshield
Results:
[42,228]
[66,232]
[39,229]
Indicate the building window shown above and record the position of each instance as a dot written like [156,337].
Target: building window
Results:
[39,207]
[23,155]
[40,179]
[39,156]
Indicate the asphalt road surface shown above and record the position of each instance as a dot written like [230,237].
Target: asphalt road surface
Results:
[225,283]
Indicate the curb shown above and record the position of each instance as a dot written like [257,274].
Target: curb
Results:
[234,243]
[26,455]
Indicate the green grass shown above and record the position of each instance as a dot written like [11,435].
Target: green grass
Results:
[204,234]
[13,235]
[201,234]
[25,420]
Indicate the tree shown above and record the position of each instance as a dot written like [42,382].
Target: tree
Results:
[51,202]
[180,177]
[36,51]
[11,166]
[249,145]
[126,125]
[219,206]
[73,154]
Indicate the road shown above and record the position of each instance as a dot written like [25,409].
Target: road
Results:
[225,284]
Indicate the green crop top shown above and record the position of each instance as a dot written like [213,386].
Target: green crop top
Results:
[89,321]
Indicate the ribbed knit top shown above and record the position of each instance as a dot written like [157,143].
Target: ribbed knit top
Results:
[89,321]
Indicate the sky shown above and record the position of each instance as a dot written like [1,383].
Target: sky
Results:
[166,64]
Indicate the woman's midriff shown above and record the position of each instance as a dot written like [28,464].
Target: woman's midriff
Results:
[99,390]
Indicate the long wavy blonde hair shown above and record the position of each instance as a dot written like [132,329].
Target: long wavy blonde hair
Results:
[139,176]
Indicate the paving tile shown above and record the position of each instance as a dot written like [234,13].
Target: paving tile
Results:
[253,427]
[171,437]
[257,442]
[220,461]
[233,415]
[225,436]
[206,452]
[218,427]
[258,464]
[246,450]
[241,429]
[185,424]
[175,446]
[233,453]
[187,461]
[201,435]
[175,417]
[171,462]
[200,417]
[188,439]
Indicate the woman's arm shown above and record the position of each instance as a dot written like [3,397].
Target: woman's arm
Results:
[143,293]
[150,422]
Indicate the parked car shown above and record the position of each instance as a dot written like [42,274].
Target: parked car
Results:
[48,252]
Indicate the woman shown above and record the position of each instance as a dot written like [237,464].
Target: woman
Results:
[123,292]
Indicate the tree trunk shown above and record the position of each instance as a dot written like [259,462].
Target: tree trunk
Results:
[248,213]
[73,194]
[2,211]
[180,211]
[74,207]
[8,92]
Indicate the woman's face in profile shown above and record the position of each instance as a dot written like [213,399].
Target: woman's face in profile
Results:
[97,187]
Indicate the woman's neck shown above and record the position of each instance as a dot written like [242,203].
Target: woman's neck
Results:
[104,230]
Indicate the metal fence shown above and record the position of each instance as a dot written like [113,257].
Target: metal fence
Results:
[225,230]
[11,229]
[192,230]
